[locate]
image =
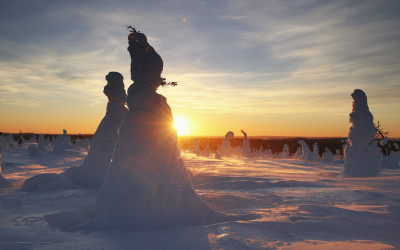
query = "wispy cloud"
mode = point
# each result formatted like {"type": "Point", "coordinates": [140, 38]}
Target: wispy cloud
{"type": "Point", "coordinates": [229, 57]}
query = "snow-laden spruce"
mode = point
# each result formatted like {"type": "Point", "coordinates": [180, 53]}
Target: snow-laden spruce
{"type": "Point", "coordinates": [225, 149]}
{"type": "Point", "coordinates": [246, 150]}
{"type": "Point", "coordinates": [59, 146]}
{"type": "Point", "coordinates": [95, 166]}
{"type": "Point", "coordinates": [328, 156]}
{"type": "Point", "coordinates": [285, 151]}
{"type": "Point", "coordinates": [316, 156]}
{"type": "Point", "coordinates": [41, 143]}
{"type": "Point", "coordinates": [147, 186]}
{"type": "Point", "coordinates": [306, 152]}
{"type": "Point", "coordinates": [362, 155]}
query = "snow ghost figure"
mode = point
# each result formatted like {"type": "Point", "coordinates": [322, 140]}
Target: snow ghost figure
{"type": "Point", "coordinates": [3, 182]}
{"type": "Point", "coordinates": [59, 146]}
{"type": "Point", "coordinates": [94, 168]}
{"type": "Point", "coordinates": [196, 147]}
{"type": "Point", "coordinates": [41, 143]}
{"type": "Point", "coordinates": [32, 139]}
{"type": "Point", "coordinates": [98, 159]}
{"type": "Point", "coordinates": [246, 150]}
{"type": "Point", "coordinates": [207, 151]}
{"type": "Point", "coordinates": [328, 156]}
{"type": "Point", "coordinates": [147, 186]}
{"type": "Point", "coordinates": [68, 141]}
{"type": "Point", "coordinates": [316, 156]}
{"type": "Point", "coordinates": [362, 155]}
{"type": "Point", "coordinates": [225, 148]}
{"type": "Point", "coordinates": [307, 154]}
{"type": "Point", "coordinates": [154, 189]}
{"type": "Point", "coordinates": [268, 153]}
{"type": "Point", "coordinates": [298, 153]}
{"type": "Point", "coordinates": [285, 152]}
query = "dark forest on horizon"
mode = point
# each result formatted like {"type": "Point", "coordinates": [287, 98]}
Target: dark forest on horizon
{"type": "Point", "coordinates": [275, 143]}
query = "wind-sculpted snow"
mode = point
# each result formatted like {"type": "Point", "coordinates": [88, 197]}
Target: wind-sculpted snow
{"type": "Point", "coordinates": [147, 186]}
{"type": "Point", "coordinates": [94, 168]}
{"type": "Point", "coordinates": [362, 155]}
{"type": "Point", "coordinates": [59, 145]}
{"type": "Point", "coordinates": [225, 148]}
{"type": "Point", "coordinates": [328, 156]}
{"type": "Point", "coordinates": [306, 152]}
{"type": "Point", "coordinates": [41, 143]}
{"type": "Point", "coordinates": [246, 150]}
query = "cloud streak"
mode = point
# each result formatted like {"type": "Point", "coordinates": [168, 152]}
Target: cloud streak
{"type": "Point", "coordinates": [229, 57]}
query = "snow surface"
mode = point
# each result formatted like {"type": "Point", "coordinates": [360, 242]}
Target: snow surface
{"type": "Point", "coordinates": [298, 204]}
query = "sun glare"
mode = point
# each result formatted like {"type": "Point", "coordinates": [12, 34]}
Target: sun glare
{"type": "Point", "coordinates": [181, 125]}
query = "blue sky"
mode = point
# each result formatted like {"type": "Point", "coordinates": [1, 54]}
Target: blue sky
{"type": "Point", "coordinates": [269, 67]}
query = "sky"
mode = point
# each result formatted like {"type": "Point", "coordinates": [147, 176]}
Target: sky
{"type": "Point", "coordinates": [278, 68]}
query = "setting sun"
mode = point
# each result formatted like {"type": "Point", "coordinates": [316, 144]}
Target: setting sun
{"type": "Point", "coordinates": [181, 125]}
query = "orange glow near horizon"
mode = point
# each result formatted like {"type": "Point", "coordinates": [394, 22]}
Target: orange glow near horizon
{"type": "Point", "coordinates": [51, 120]}
{"type": "Point", "coordinates": [189, 122]}
{"type": "Point", "coordinates": [186, 125]}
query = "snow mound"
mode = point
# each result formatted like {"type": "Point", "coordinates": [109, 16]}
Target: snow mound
{"type": "Point", "coordinates": [44, 182]}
